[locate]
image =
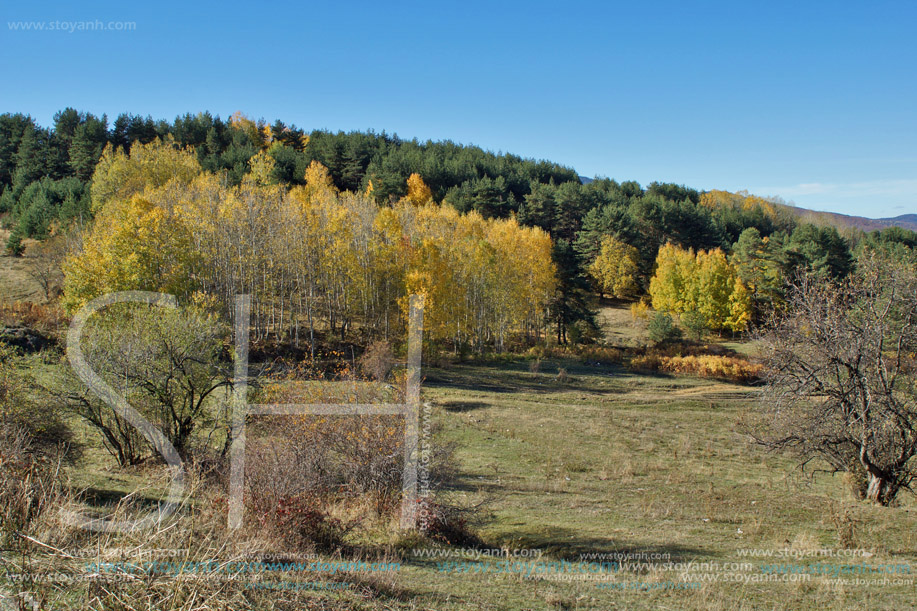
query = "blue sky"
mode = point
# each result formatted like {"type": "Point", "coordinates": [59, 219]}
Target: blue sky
{"type": "Point", "coordinates": [814, 101]}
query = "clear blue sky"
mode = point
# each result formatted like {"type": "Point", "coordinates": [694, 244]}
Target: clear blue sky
{"type": "Point", "coordinates": [812, 101]}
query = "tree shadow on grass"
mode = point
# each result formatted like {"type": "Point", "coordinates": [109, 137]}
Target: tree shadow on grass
{"type": "Point", "coordinates": [462, 406]}
{"type": "Point", "coordinates": [515, 378]}
{"type": "Point", "coordinates": [566, 544]}
{"type": "Point", "coordinates": [102, 498]}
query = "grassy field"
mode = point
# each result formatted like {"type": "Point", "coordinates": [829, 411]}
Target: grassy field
{"type": "Point", "coordinates": [577, 462]}
{"type": "Point", "coordinates": [615, 462]}
{"type": "Point", "coordinates": [608, 462]}
{"type": "Point", "coordinates": [16, 282]}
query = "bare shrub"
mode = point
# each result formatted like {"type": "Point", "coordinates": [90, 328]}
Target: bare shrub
{"type": "Point", "coordinates": [846, 526]}
{"type": "Point", "coordinates": [535, 365]}
{"type": "Point", "coordinates": [298, 522]}
{"type": "Point", "coordinates": [445, 523]}
{"type": "Point", "coordinates": [45, 266]}
{"type": "Point", "coordinates": [322, 464]}
{"type": "Point", "coordinates": [377, 361]}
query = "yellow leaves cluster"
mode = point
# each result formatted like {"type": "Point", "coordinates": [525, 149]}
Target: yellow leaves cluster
{"type": "Point", "coordinates": [262, 168]}
{"type": "Point", "coordinates": [119, 176]}
{"type": "Point", "coordinates": [615, 269]}
{"type": "Point", "coordinates": [741, 200]}
{"type": "Point", "coordinates": [418, 191]}
{"type": "Point", "coordinates": [307, 253]}
{"type": "Point", "coordinates": [134, 245]}
{"type": "Point", "coordinates": [705, 283]}
{"type": "Point", "coordinates": [482, 277]}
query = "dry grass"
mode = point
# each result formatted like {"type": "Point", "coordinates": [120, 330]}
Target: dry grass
{"type": "Point", "coordinates": [16, 280]}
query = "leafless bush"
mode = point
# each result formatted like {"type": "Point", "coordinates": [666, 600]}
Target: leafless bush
{"type": "Point", "coordinates": [377, 361]}
{"type": "Point", "coordinates": [535, 365]}
{"type": "Point", "coordinates": [45, 266]}
{"type": "Point", "coordinates": [846, 527]}
{"type": "Point", "coordinates": [445, 523]}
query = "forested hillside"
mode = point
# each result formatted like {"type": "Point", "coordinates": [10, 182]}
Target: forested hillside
{"type": "Point", "coordinates": [718, 258]}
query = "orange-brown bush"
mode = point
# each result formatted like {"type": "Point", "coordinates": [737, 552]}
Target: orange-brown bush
{"type": "Point", "coordinates": [44, 317]}
{"type": "Point", "coordinates": [705, 366]}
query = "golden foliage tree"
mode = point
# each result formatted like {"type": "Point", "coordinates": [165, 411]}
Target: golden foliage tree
{"type": "Point", "coordinates": [136, 245]}
{"type": "Point", "coordinates": [615, 269]}
{"type": "Point", "coordinates": [705, 283]}
{"type": "Point", "coordinates": [418, 191]}
{"type": "Point", "coordinates": [119, 175]}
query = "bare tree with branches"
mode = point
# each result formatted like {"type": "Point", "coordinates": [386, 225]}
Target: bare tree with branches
{"type": "Point", "coordinates": [45, 266]}
{"type": "Point", "coordinates": [840, 382]}
{"type": "Point", "coordinates": [166, 363]}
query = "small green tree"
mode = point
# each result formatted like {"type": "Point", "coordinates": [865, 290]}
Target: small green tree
{"type": "Point", "coordinates": [695, 324]}
{"type": "Point", "coordinates": [14, 245]}
{"type": "Point", "coordinates": [662, 329]}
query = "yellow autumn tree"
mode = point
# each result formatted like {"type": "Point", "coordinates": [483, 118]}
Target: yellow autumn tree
{"type": "Point", "coordinates": [134, 245]}
{"type": "Point", "coordinates": [418, 191]}
{"type": "Point", "coordinates": [148, 166]}
{"type": "Point", "coordinates": [714, 282]}
{"type": "Point", "coordinates": [705, 284]}
{"type": "Point", "coordinates": [255, 130]}
{"type": "Point", "coordinates": [262, 168]}
{"type": "Point", "coordinates": [615, 269]}
{"type": "Point", "coordinates": [741, 307]}
{"type": "Point", "coordinates": [318, 181]}
{"type": "Point", "coordinates": [671, 287]}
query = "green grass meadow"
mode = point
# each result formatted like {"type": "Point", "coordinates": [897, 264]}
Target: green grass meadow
{"type": "Point", "coordinates": [571, 461]}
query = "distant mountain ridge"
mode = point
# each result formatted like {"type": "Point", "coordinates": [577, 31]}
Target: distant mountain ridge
{"type": "Point", "coordinates": [841, 221]}
{"type": "Point", "coordinates": [836, 219]}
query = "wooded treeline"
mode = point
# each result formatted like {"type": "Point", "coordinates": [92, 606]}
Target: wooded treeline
{"type": "Point", "coordinates": [606, 236]}
{"type": "Point", "coordinates": [312, 257]}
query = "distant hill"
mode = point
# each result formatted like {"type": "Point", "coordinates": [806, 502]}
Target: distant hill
{"type": "Point", "coordinates": [904, 218]}
{"type": "Point", "coordinates": [841, 221]}
{"type": "Point", "coordinates": [835, 219]}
